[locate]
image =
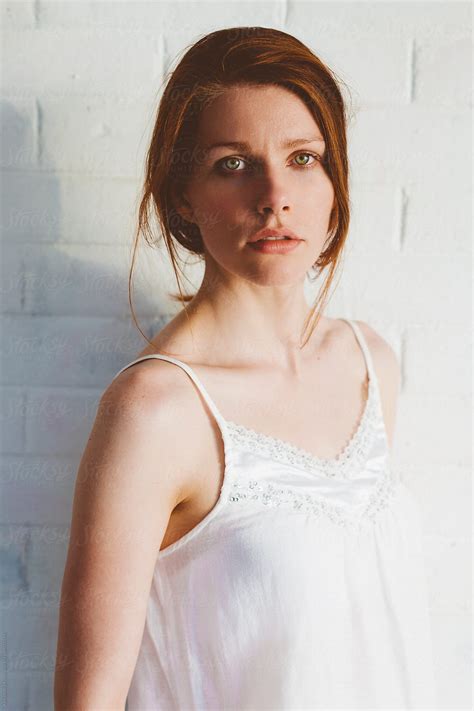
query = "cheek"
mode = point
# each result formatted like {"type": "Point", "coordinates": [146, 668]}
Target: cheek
{"type": "Point", "coordinates": [320, 191]}
{"type": "Point", "coordinates": [217, 195]}
{"type": "Point", "coordinates": [324, 196]}
{"type": "Point", "coordinates": [208, 207]}
{"type": "Point", "coordinates": [324, 185]}
{"type": "Point", "coordinates": [225, 207]}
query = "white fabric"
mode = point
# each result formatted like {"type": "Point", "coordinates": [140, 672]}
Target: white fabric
{"type": "Point", "coordinates": [303, 588]}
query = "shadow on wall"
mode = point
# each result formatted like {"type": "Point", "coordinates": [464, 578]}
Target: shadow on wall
{"type": "Point", "coordinates": [67, 331]}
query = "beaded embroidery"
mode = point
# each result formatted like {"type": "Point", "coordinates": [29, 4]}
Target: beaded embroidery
{"type": "Point", "coordinates": [273, 496]}
{"type": "Point", "coordinates": [353, 454]}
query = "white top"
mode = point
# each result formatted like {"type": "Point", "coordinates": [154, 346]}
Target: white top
{"type": "Point", "coordinates": [303, 588]}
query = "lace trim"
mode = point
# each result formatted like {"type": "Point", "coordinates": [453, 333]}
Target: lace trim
{"type": "Point", "coordinates": [354, 453]}
{"type": "Point", "coordinates": [286, 498]}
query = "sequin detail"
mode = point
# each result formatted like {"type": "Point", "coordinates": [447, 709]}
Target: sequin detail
{"type": "Point", "coordinates": [273, 496]}
{"type": "Point", "coordinates": [354, 453]}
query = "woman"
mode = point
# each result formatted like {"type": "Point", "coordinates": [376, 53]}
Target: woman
{"type": "Point", "coordinates": [238, 538]}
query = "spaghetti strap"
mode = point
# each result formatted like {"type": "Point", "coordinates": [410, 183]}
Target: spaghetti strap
{"type": "Point", "coordinates": [187, 368]}
{"type": "Point", "coordinates": [365, 349]}
{"type": "Point", "coordinates": [374, 385]}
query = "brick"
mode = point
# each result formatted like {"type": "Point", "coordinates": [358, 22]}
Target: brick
{"type": "Point", "coordinates": [13, 420]}
{"type": "Point", "coordinates": [17, 14]}
{"type": "Point", "coordinates": [375, 221]}
{"type": "Point", "coordinates": [92, 62]}
{"type": "Point", "coordinates": [65, 351]}
{"type": "Point", "coordinates": [433, 20]}
{"type": "Point", "coordinates": [72, 280]}
{"type": "Point", "coordinates": [19, 118]}
{"type": "Point", "coordinates": [188, 17]}
{"type": "Point", "coordinates": [410, 145]}
{"type": "Point", "coordinates": [432, 225]}
{"type": "Point", "coordinates": [433, 429]}
{"type": "Point", "coordinates": [437, 359]}
{"type": "Point", "coordinates": [444, 72]}
{"type": "Point", "coordinates": [37, 490]}
{"type": "Point", "coordinates": [58, 422]}
{"type": "Point", "coordinates": [30, 631]}
{"type": "Point", "coordinates": [111, 135]}
{"type": "Point", "coordinates": [402, 288]}
{"type": "Point", "coordinates": [86, 209]}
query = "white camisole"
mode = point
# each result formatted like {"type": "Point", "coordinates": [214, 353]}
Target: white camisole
{"type": "Point", "coordinates": [303, 588]}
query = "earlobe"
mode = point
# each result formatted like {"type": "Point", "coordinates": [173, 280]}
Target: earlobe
{"type": "Point", "coordinates": [183, 208]}
{"type": "Point", "coordinates": [185, 212]}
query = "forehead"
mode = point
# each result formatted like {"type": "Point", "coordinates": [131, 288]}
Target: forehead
{"type": "Point", "coordinates": [256, 114]}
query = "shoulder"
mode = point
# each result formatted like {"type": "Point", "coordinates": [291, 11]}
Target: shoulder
{"type": "Point", "coordinates": [157, 391]}
{"type": "Point", "coordinates": [384, 358]}
{"type": "Point", "coordinates": [388, 372]}
{"type": "Point", "coordinates": [153, 401]}
{"type": "Point", "coordinates": [386, 362]}
{"type": "Point", "coordinates": [149, 382]}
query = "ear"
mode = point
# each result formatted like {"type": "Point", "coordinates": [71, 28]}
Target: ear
{"type": "Point", "coordinates": [182, 206]}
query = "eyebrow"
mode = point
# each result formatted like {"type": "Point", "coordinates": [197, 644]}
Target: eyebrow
{"type": "Point", "coordinates": [243, 146]}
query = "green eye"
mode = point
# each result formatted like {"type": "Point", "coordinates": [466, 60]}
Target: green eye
{"type": "Point", "coordinates": [305, 155]}
{"type": "Point", "coordinates": [232, 160]}
{"type": "Point", "coordinates": [231, 165]}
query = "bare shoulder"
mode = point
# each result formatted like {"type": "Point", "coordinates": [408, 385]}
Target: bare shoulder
{"type": "Point", "coordinates": [385, 359]}
{"type": "Point", "coordinates": [146, 384]}
{"type": "Point", "coordinates": [164, 401]}
{"type": "Point", "coordinates": [146, 403]}
{"type": "Point", "coordinates": [388, 372]}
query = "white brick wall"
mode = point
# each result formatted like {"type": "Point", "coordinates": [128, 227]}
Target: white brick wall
{"type": "Point", "coordinates": [79, 87]}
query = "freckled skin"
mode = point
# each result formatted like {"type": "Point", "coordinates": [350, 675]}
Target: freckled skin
{"type": "Point", "coordinates": [231, 198]}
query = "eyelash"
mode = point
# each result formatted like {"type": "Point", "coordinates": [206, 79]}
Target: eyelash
{"type": "Point", "coordinates": [224, 171]}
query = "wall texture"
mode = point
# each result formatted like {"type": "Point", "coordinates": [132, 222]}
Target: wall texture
{"type": "Point", "coordinates": [80, 83]}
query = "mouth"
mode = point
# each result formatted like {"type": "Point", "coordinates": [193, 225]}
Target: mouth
{"type": "Point", "coordinates": [271, 239]}
{"type": "Point", "coordinates": [278, 245]}
{"type": "Point", "coordinates": [274, 235]}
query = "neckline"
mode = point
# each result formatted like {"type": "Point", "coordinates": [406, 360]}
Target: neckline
{"type": "Point", "coordinates": [249, 437]}
{"type": "Point", "coordinates": [284, 450]}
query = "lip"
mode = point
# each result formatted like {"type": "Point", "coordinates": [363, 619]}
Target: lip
{"type": "Point", "coordinates": [280, 232]}
{"type": "Point", "coordinates": [275, 247]}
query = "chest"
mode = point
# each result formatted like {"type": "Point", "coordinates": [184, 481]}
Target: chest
{"type": "Point", "coordinates": [319, 421]}
{"type": "Point", "coordinates": [318, 411]}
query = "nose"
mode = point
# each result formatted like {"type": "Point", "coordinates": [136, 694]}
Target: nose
{"type": "Point", "coordinates": [272, 197]}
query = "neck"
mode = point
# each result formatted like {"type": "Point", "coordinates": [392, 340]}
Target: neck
{"type": "Point", "coordinates": [252, 325]}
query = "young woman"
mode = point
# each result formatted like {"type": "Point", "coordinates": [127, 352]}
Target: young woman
{"type": "Point", "coordinates": [238, 538]}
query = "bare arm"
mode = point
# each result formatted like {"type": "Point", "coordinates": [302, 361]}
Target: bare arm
{"type": "Point", "coordinates": [126, 488]}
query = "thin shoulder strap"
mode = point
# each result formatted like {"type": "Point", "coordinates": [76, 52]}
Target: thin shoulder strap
{"type": "Point", "coordinates": [375, 387]}
{"type": "Point", "coordinates": [192, 375]}
{"type": "Point", "coordinates": [365, 349]}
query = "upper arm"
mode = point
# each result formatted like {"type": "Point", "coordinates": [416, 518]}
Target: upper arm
{"type": "Point", "coordinates": [388, 372]}
{"type": "Point", "coordinates": [126, 487]}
